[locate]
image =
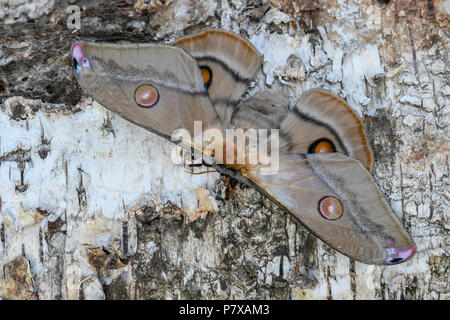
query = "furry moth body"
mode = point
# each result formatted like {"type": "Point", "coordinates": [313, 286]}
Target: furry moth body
{"type": "Point", "coordinates": [324, 175]}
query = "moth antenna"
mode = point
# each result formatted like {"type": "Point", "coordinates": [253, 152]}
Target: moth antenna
{"type": "Point", "coordinates": [201, 172]}
{"type": "Point", "coordinates": [199, 164]}
{"type": "Point", "coordinates": [235, 194]}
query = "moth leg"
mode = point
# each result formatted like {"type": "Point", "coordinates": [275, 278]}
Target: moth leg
{"type": "Point", "coordinates": [198, 164]}
{"type": "Point", "coordinates": [192, 165]}
{"type": "Point", "coordinates": [202, 172]}
{"type": "Point", "coordinates": [234, 192]}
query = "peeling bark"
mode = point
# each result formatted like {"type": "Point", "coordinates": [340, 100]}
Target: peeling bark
{"type": "Point", "coordinates": [72, 173]}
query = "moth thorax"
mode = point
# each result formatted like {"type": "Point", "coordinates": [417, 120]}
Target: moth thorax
{"type": "Point", "coordinates": [237, 156]}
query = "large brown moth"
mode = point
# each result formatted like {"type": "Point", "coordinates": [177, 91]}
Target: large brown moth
{"type": "Point", "coordinates": [324, 165]}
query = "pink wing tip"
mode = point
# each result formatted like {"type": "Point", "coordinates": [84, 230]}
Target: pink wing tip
{"type": "Point", "coordinates": [77, 51]}
{"type": "Point", "coordinates": [407, 253]}
{"type": "Point", "coordinates": [398, 256]}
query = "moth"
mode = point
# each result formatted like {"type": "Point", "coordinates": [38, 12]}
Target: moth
{"type": "Point", "coordinates": [324, 158]}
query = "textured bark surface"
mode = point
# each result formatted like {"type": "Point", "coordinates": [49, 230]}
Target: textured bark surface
{"type": "Point", "coordinates": [72, 173]}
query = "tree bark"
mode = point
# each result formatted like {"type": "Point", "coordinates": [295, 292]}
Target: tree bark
{"type": "Point", "coordinates": [72, 173]}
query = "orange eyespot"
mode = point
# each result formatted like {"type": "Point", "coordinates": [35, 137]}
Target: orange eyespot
{"type": "Point", "coordinates": [331, 208]}
{"type": "Point", "coordinates": [146, 96]}
{"type": "Point", "coordinates": [207, 76]}
{"type": "Point", "coordinates": [322, 145]}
